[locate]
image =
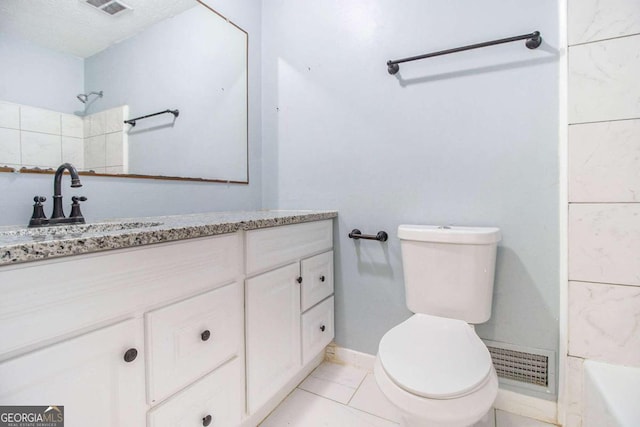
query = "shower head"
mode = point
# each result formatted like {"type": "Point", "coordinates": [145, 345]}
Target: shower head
{"type": "Point", "coordinates": [84, 97]}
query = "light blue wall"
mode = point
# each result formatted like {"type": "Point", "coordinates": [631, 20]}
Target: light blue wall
{"type": "Point", "coordinates": [120, 197]}
{"type": "Point", "coordinates": [195, 62]}
{"type": "Point", "coordinates": [37, 76]}
{"type": "Point", "coordinates": [466, 139]}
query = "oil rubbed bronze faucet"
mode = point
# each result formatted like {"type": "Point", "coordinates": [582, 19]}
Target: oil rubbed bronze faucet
{"type": "Point", "coordinates": [38, 219]}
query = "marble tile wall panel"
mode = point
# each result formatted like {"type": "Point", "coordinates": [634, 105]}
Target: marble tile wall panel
{"type": "Point", "coordinates": [39, 120]}
{"type": "Point", "coordinates": [94, 125]}
{"type": "Point", "coordinates": [9, 147]}
{"type": "Point", "coordinates": [603, 80]}
{"type": "Point", "coordinates": [41, 150]}
{"type": "Point", "coordinates": [72, 126]}
{"type": "Point", "coordinates": [591, 20]}
{"type": "Point", "coordinates": [73, 151]}
{"type": "Point", "coordinates": [95, 153]}
{"type": "Point", "coordinates": [115, 170]}
{"type": "Point", "coordinates": [604, 162]}
{"type": "Point", "coordinates": [114, 120]}
{"type": "Point", "coordinates": [114, 149]}
{"type": "Point", "coordinates": [604, 243]}
{"type": "Point", "coordinates": [573, 395]}
{"type": "Point", "coordinates": [604, 322]}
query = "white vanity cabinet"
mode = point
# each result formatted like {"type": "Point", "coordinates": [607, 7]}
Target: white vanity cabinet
{"type": "Point", "coordinates": [210, 331]}
{"type": "Point", "coordinates": [67, 324]}
{"type": "Point", "coordinates": [88, 375]}
{"type": "Point", "coordinates": [276, 301]}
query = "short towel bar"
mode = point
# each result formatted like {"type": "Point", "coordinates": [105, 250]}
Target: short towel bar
{"type": "Point", "coordinates": [356, 234]}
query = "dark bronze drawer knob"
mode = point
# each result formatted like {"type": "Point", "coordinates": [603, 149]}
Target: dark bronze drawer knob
{"type": "Point", "coordinates": [322, 328]}
{"type": "Point", "coordinates": [205, 335]}
{"type": "Point", "coordinates": [299, 279]}
{"type": "Point", "coordinates": [322, 278]}
{"type": "Point", "coordinates": [130, 355]}
{"type": "Point", "coordinates": [206, 420]}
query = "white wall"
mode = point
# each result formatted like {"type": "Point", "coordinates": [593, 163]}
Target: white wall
{"type": "Point", "coordinates": [119, 197]}
{"type": "Point", "coordinates": [39, 77]}
{"type": "Point", "coordinates": [466, 139]}
{"type": "Point", "coordinates": [604, 189]}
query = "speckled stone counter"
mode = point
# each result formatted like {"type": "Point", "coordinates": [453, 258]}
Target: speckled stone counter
{"type": "Point", "coordinates": [18, 244]}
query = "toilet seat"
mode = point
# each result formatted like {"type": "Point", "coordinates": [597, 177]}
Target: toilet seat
{"type": "Point", "coordinates": [435, 357]}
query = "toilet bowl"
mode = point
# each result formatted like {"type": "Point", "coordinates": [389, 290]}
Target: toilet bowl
{"type": "Point", "coordinates": [433, 367]}
{"type": "Point", "coordinates": [437, 372]}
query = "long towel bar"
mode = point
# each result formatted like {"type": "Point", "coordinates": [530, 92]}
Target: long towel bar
{"type": "Point", "coordinates": [132, 122]}
{"type": "Point", "coordinates": [533, 40]}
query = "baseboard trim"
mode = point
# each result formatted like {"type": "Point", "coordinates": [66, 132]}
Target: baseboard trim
{"type": "Point", "coordinates": [507, 400]}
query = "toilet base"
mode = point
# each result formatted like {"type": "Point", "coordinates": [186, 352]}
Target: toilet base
{"type": "Point", "coordinates": [417, 411]}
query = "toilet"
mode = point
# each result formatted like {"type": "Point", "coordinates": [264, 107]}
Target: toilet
{"type": "Point", "coordinates": [433, 367]}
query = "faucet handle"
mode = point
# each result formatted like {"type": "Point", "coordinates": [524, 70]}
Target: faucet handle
{"type": "Point", "coordinates": [38, 218]}
{"type": "Point", "coordinates": [75, 209]}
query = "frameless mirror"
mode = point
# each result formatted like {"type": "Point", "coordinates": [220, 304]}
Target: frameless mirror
{"type": "Point", "coordinates": [74, 71]}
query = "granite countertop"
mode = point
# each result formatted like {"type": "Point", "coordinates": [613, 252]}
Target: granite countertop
{"type": "Point", "coordinates": [18, 244]}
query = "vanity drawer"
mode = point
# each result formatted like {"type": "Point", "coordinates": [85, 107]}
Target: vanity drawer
{"type": "Point", "coordinates": [190, 338]}
{"type": "Point", "coordinates": [219, 395]}
{"type": "Point", "coordinates": [271, 247]}
{"type": "Point", "coordinates": [317, 279]}
{"type": "Point", "coordinates": [317, 329]}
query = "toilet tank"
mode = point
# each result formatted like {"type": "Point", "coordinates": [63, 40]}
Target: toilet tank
{"type": "Point", "coordinates": [449, 271]}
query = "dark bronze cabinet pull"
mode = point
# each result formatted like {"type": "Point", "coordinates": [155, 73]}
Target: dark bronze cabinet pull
{"type": "Point", "coordinates": [205, 335]}
{"type": "Point", "coordinates": [206, 420]}
{"type": "Point", "coordinates": [322, 278]}
{"type": "Point", "coordinates": [322, 328]}
{"type": "Point", "coordinates": [299, 279]}
{"type": "Point", "coordinates": [130, 355]}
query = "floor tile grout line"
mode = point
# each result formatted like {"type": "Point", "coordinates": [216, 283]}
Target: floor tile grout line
{"type": "Point", "coordinates": [321, 396]}
{"type": "Point", "coordinates": [354, 409]}
{"type": "Point", "coordinates": [357, 388]}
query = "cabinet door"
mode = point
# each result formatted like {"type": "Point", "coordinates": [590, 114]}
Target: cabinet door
{"type": "Point", "coordinates": [317, 275]}
{"type": "Point", "coordinates": [272, 332]}
{"type": "Point", "coordinates": [87, 375]}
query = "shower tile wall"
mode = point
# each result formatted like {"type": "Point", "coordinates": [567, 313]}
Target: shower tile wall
{"type": "Point", "coordinates": [38, 138]}
{"type": "Point", "coordinates": [604, 189]}
{"type": "Point", "coordinates": [105, 142]}
{"type": "Point", "coordinates": [34, 137]}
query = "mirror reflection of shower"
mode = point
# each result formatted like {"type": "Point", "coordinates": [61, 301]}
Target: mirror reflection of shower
{"type": "Point", "coordinates": [84, 97]}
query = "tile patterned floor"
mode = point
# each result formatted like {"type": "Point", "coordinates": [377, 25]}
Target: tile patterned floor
{"type": "Point", "coordinates": [343, 396]}
{"type": "Point", "coordinates": [334, 396]}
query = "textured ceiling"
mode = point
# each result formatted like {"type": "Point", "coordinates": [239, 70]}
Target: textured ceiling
{"type": "Point", "coordinates": [74, 27]}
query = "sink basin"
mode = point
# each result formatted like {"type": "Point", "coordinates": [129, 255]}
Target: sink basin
{"type": "Point", "coordinates": [70, 231]}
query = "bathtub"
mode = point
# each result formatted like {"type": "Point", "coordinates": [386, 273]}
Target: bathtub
{"type": "Point", "coordinates": [611, 395]}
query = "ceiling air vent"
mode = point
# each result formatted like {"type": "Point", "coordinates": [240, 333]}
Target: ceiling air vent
{"type": "Point", "coordinates": [110, 7]}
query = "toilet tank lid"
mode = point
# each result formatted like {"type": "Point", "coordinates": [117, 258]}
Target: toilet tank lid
{"type": "Point", "coordinates": [450, 234]}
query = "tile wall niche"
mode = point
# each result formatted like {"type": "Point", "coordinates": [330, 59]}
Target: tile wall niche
{"type": "Point", "coordinates": [38, 138]}
{"type": "Point", "coordinates": [604, 189]}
